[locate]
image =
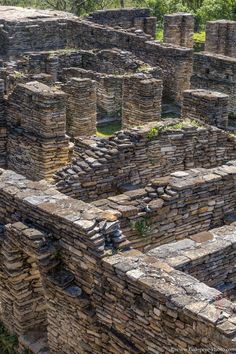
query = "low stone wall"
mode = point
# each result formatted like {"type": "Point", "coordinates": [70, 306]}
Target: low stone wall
{"type": "Point", "coordinates": [126, 18]}
{"type": "Point", "coordinates": [179, 29]}
{"type": "Point", "coordinates": [216, 73]}
{"type": "Point", "coordinates": [141, 102]}
{"type": "Point", "coordinates": [81, 106]}
{"type": "Point", "coordinates": [208, 106]}
{"type": "Point", "coordinates": [207, 256]}
{"type": "Point", "coordinates": [102, 166]}
{"type": "Point", "coordinates": [36, 120]}
{"type": "Point", "coordinates": [172, 208]}
{"type": "Point", "coordinates": [220, 37]}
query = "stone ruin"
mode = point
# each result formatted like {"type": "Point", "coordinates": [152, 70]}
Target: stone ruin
{"type": "Point", "coordinates": [125, 244]}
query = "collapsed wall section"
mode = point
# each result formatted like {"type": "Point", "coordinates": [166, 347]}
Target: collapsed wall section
{"type": "Point", "coordinates": [102, 166]}
{"type": "Point", "coordinates": [36, 120]}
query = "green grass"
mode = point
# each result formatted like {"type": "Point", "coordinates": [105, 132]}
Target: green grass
{"type": "Point", "coordinates": [108, 129]}
{"type": "Point", "coordinates": [8, 342]}
{"type": "Point", "coordinates": [199, 36]}
{"type": "Point", "coordinates": [159, 34]}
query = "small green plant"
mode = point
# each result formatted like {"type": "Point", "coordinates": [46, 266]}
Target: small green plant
{"type": "Point", "coordinates": [152, 133]}
{"type": "Point", "coordinates": [199, 37]}
{"type": "Point", "coordinates": [18, 74]}
{"type": "Point", "coordinates": [8, 342]}
{"type": "Point", "coordinates": [187, 123]}
{"type": "Point", "coordinates": [57, 254]}
{"type": "Point", "coordinates": [143, 68]}
{"type": "Point", "coordinates": [140, 226]}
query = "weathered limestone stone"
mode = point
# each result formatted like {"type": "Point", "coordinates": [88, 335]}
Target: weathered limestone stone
{"type": "Point", "coordinates": [208, 106]}
{"type": "Point", "coordinates": [81, 107]}
{"type": "Point", "coordinates": [179, 29]}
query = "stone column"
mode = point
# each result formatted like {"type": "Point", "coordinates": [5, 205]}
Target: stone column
{"type": "Point", "coordinates": [208, 106]}
{"type": "Point", "coordinates": [81, 107]}
{"type": "Point", "coordinates": [179, 29]}
{"type": "Point", "coordinates": [36, 119]}
{"type": "Point", "coordinates": [150, 26]}
{"type": "Point", "coordinates": [141, 100]}
{"type": "Point", "coordinates": [221, 37]}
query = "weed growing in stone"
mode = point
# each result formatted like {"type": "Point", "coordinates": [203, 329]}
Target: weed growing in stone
{"type": "Point", "coordinates": [140, 226]}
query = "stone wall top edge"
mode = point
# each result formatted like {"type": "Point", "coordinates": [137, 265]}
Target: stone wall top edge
{"type": "Point", "coordinates": [197, 247]}
{"type": "Point", "coordinates": [214, 57]}
{"type": "Point", "coordinates": [196, 299]}
{"type": "Point", "coordinates": [44, 197]}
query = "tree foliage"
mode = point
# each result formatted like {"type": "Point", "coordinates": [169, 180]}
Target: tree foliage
{"type": "Point", "coordinates": [203, 9]}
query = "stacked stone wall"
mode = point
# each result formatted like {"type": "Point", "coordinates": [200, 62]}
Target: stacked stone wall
{"type": "Point", "coordinates": [175, 62]}
{"type": "Point", "coordinates": [36, 120]}
{"type": "Point", "coordinates": [141, 102]}
{"type": "Point", "coordinates": [179, 29]}
{"type": "Point", "coordinates": [101, 167]}
{"type": "Point", "coordinates": [220, 37]}
{"type": "Point", "coordinates": [169, 209]}
{"type": "Point", "coordinates": [207, 256]}
{"type": "Point", "coordinates": [126, 18]}
{"type": "Point", "coordinates": [139, 309]}
{"type": "Point", "coordinates": [208, 106]}
{"type": "Point", "coordinates": [129, 301]}
{"type": "Point", "coordinates": [81, 107]}
{"type": "Point", "coordinates": [3, 128]}
{"type": "Point", "coordinates": [216, 73]}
